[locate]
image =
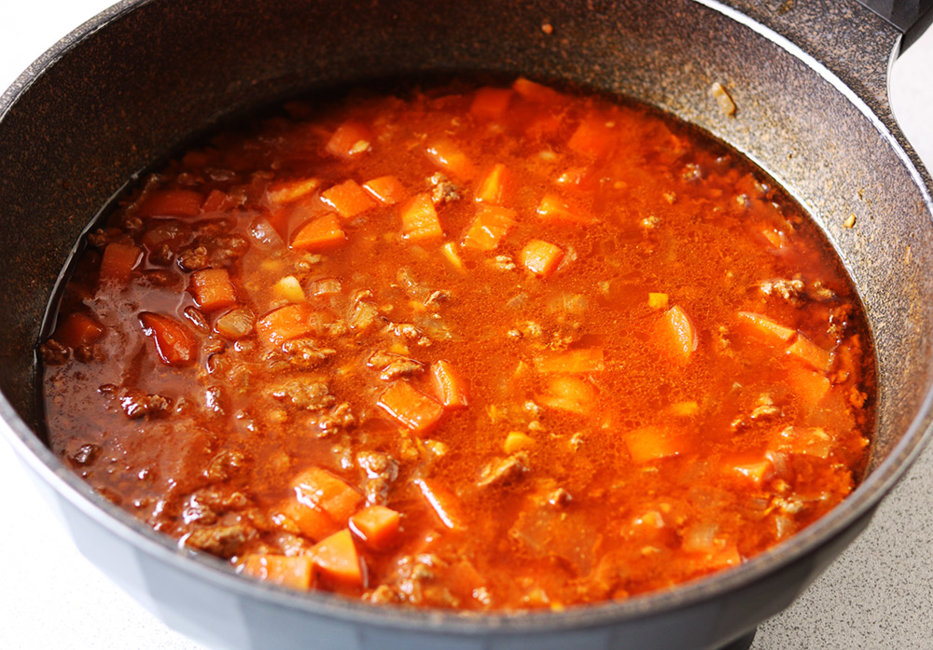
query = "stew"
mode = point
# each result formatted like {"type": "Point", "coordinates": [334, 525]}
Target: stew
{"type": "Point", "coordinates": [471, 347]}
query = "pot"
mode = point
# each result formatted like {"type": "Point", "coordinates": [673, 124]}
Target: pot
{"type": "Point", "coordinates": [809, 81]}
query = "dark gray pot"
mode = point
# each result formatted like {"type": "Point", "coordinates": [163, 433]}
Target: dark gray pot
{"type": "Point", "coordinates": [809, 79]}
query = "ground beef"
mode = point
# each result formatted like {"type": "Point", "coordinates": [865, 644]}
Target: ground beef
{"type": "Point", "coordinates": [222, 540]}
{"type": "Point", "coordinates": [136, 403]}
{"type": "Point", "coordinates": [305, 393]}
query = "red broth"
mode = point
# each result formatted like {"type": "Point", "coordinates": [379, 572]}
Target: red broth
{"type": "Point", "coordinates": [488, 348]}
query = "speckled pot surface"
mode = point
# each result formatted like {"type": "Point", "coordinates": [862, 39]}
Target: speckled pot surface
{"type": "Point", "coordinates": [809, 80]}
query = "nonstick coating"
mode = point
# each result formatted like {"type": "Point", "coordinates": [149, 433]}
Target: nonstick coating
{"type": "Point", "coordinates": [812, 111]}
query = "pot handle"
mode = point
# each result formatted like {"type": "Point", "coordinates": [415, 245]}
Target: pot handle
{"type": "Point", "coordinates": [911, 17]}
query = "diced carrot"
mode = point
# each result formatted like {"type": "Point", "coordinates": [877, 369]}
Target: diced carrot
{"type": "Point", "coordinates": [388, 190]}
{"type": "Point", "coordinates": [284, 323]}
{"type": "Point", "coordinates": [676, 334]}
{"type": "Point", "coordinates": [377, 526]}
{"type": "Point", "coordinates": [174, 343]}
{"type": "Point", "coordinates": [770, 329]}
{"type": "Point", "coordinates": [658, 300]}
{"type": "Point", "coordinates": [443, 503]}
{"type": "Point", "coordinates": [490, 103]}
{"type": "Point", "coordinates": [291, 190]}
{"type": "Point", "coordinates": [410, 407]}
{"type": "Point", "coordinates": [350, 140]}
{"type": "Point", "coordinates": [216, 201]}
{"type": "Point", "coordinates": [212, 289]}
{"type": "Point", "coordinates": [650, 443]}
{"type": "Point", "coordinates": [283, 570]}
{"type": "Point", "coordinates": [348, 199]}
{"type": "Point", "coordinates": [553, 209]}
{"type": "Point", "coordinates": [534, 91]}
{"type": "Point", "coordinates": [685, 409]}
{"type": "Point", "coordinates": [810, 441]}
{"type": "Point", "coordinates": [311, 521]}
{"type": "Point", "coordinates": [118, 261]}
{"type": "Point", "coordinates": [78, 329]}
{"type": "Point", "coordinates": [321, 234]}
{"type": "Point", "coordinates": [336, 557]}
{"type": "Point", "coordinates": [593, 137]}
{"type": "Point", "coordinates": [449, 251]}
{"type": "Point", "coordinates": [566, 393]}
{"type": "Point", "coordinates": [318, 488]}
{"type": "Point", "coordinates": [809, 387]}
{"type": "Point", "coordinates": [489, 226]}
{"type": "Point", "coordinates": [171, 203]}
{"type": "Point", "coordinates": [540, 257]}
{"type": "Point", "coordinates": [755, 469]}
{"type": "Point", "coordinates": [810, 353]}
{"type": "Point", "coordinates": [448, 156]}
{"type": "Point", "coordinates": [572, 362]}
{"type": "Point", "coordinates": [449, 387]}
{"type": "Point", "coordinates": [492, 187]}
{"type": "Point", "coordinates": [517, 441]}
{"type": "Point", "coordinates": [419, 219]}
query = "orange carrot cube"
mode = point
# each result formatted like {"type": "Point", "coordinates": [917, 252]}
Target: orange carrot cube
{"type": "Point", "coordinates": [419, 219]}
{"type": "Point", "coordinates": [348, 199]}
{"type": "Point", "coordinates": [488, 227]}
{"type": "Point", "coordinates": [311, 521]}
{"type": "Point", "coordinates": [336, 557]}
{"type": "Point", "coordinates": [535, 92]}
{"type": "Point", "coordinates": [171, 203]}
{"type": "Point", "coordinates": [118, 261]}
{"type": "Point", "coordinates": [175, 344]}
{"type": "Point", "coordinates": [540, 257]}
{"type": "Point", "coordinates": [216, 201]}
{"type": "Point", "coordinates": [448, 385]}
{"type": "Point", "coordinates": [553, 209]}
{"type": "Point", "coordinates": [571, 394]}
{"type": "Point", "coordinates": [284, 323]}
{"type": "Point", "coordinates": [78, 329]}
{"type": "Point", "coordinates": [350, 140]}
{"type": "Point", "coordinates": [650, 443]}
{"type": "Point", "coordinates": [282, 570]}
{"type": "Point", "coordinates": [767, 327]}
{"type": "Point", "coordinates": [810, 353]}
{"type": "Point", "coordinates": [388, 190]}
{"type": "Point", "coordinates": [490, 103]}
{"type": "Point", "coordinates": [447, 155]}
{"type": "Point", "coordinates": [410, 407]}
{"type": "Point", "coordinates": [318, 488]}
{"type": "Point", "coordinates": [594, 137]}
{"type": "Point", "coordinates": [492, 187]}
{"type": "Point", "coordinates": [212, 289]}
{"type": "Point", "coordinates": [321, 234]}
{"type": "Point", "coordinates": [377, 526]}
{"type": "Point", "coordinates": [444, 503]}
{"type": "Point", "coordinates": [755, 469]}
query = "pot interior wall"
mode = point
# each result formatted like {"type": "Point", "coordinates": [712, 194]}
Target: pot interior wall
{"type": "Point", "coordinates": [126, 94]}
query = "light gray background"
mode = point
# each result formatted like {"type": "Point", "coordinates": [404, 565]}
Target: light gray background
{"type": "Point", "coordinates": [879, 594]}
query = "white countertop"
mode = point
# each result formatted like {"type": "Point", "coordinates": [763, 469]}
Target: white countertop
{"type": "Point", "coordinates": [877, 595]}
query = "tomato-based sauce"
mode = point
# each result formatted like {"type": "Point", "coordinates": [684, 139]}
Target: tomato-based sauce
{"type": "Point", "coordinates": [479, 348]}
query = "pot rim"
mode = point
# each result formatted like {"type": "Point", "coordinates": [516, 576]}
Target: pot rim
{"type": "Point", "coordinates": [859, 504]}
